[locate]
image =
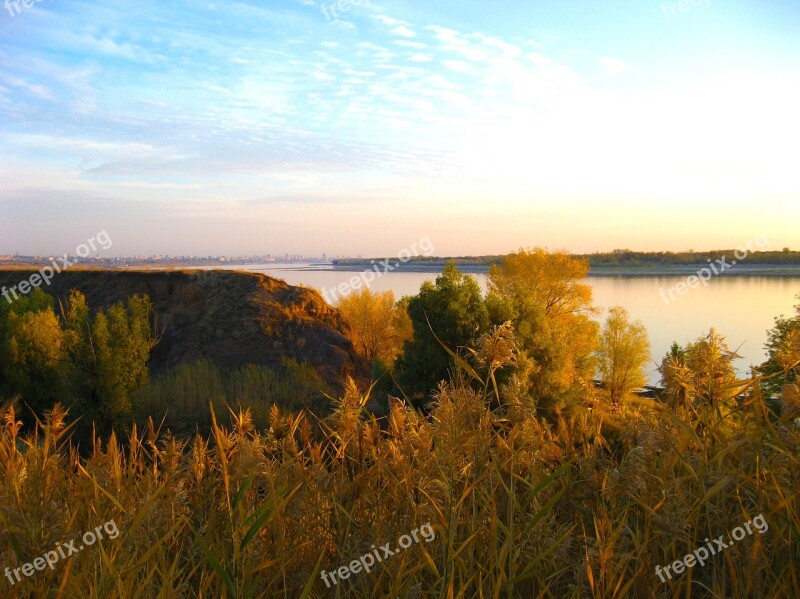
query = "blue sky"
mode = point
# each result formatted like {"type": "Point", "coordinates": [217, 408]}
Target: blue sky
{"type": "Point", "coordinates": [233, 127]}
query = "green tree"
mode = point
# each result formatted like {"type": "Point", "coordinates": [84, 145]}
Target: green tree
{"type": "Point", "coordinates": [109, 353]}
{"type": "Point", "coordinates": [542, 294]}
{"type": "Point", "coordinates": [783, 349]}
{"type": "Point", "coordinates": [623, 352]}
{"type": "Point", "coordinates": [453, 309]}
{"type": "Point", "coordinates": [31, 351]}
{"type": "Point", "coordinates": [672, 370]}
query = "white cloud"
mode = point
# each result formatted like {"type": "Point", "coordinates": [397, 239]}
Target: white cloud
{"type": "Point", "coordinates": [612, 66]}
{"type": "Point", "coordinates": [456, 65]}
{"type": "Point", "coordinates": [410, 44]}
{"type": "Point", "coordinates": [403, 31]}
{"type": "Point", "coordinates": [507, 49]}
{"type": "Point", "coordinates": [390, 21]}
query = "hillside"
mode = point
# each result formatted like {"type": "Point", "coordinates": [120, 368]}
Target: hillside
{"type": "Point", "coordinates": [229, 318]}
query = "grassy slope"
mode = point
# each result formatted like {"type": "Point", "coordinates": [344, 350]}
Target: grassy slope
{"type": "Point", "coordinates": [586, 508]}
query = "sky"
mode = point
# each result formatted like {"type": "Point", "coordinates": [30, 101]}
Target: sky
{"type": "Point", "coordinates": [206, 128]}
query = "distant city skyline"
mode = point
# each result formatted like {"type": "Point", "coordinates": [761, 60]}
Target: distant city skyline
{"type": "Point", "coordinates": [225, 128]}
{"type": "Point", "coordinates": [109, 255]}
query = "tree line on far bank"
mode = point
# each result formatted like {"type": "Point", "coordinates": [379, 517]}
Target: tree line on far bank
{"type": "Point", "coordinates": [619, 258]}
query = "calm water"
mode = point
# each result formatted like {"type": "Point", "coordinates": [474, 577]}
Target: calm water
{"type": "Point", "coordinates": [741, 308]}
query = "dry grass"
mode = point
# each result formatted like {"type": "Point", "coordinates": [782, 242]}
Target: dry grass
{"type": "Point", "coordinates": [184, 397]}
{"type": "Point", "coordinates": [584, 508]}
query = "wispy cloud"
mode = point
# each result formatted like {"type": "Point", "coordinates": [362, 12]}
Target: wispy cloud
{"type": "Point", "coordinates": [213, 103]}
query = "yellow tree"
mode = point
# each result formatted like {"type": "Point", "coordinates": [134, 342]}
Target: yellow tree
{"type": "Point", "coordinates": [542, 294]}
{"type": "Point", "coordinates": [379, 325]}
{"type": "Point", "coordinates": [621, 356]}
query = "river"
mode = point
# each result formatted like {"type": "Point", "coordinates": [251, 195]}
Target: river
{"type": "Point", "coordinates": [742, 308]}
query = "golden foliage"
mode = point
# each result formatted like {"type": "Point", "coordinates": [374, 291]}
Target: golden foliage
{"type": "Point", "coordinates": [519, 510]}
{"type": "Point", "coordinates": [379, 326]}
{"type": "Point", "coordinates": [542, 294]}
{"type": "Point", "coordinates": [623, 352]}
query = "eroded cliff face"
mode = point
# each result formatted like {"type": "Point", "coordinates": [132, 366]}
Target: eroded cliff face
{"type": "Point", "coordinates": [231, 318]}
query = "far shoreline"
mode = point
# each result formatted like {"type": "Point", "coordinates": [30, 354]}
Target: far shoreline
{"type": "Point", "coordinates": [739, 270]}
{"type": "Point", "coordinates": [789, 271]}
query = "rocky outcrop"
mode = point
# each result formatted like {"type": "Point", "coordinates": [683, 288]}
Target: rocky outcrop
{"type": "Point", "coordinates": [231, 318]}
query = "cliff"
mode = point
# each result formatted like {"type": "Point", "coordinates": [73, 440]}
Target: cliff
{"type": "Point", "coordinates": [231, 318]}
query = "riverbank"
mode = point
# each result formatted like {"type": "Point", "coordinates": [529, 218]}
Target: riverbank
{"type": "Point", "coordinates": [683, 270]}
